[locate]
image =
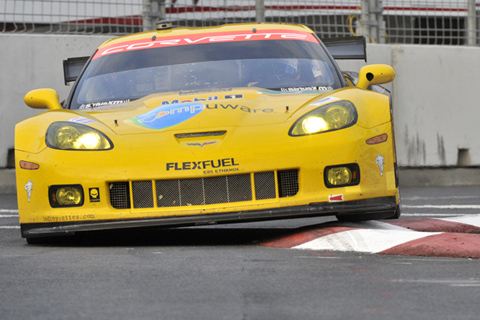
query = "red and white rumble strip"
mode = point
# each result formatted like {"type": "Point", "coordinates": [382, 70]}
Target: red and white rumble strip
{"type": "Point", "coordinates": [452, 237]}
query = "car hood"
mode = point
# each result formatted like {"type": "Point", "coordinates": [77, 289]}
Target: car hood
{"type": "Point", "coordinates": [201, 110]}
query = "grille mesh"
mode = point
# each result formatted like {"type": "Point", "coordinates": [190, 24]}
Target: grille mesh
{"type": "Point", "coordinates": [187, 192]}
{"type": "Point", "coordinates": [142, 194]}
{"type": "Point", "coordinates": [119, 195]}
{"type": "Point", "coordinates": [265, 185]}
{"type": "Point", "coordinates": [288, 183]}
{"type": "Point", "coordinates": [205, 191]}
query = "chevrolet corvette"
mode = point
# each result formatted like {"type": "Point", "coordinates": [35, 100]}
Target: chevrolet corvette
{"type": "Point", "coordinates": [192, 126]}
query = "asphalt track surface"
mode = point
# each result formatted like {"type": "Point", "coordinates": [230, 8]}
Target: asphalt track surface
{"type": "Point", "coordinates": [255, 271]}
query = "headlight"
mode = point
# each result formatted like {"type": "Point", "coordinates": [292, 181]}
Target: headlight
{"type": "Point", "coordinates": [66, 196]}
{"type": "Point", "coordinates": [74, 136]}
{"type": "Point", "coordinates": [342, 175]}
{"type": "Point", "coordinates": [333, 116]}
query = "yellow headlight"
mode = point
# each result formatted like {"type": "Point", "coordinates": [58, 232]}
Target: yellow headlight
{"type": "Point", "coordinates": [75, 136]}
{"type": "Point", "coordinates": [333, 116]}
{"type": "Point", "coordinates": [342, 175]}
{"type": "Point", "coordinates": [66, 137]}
{"type": "Point", "coordinates": [337, 117]}
{"type": "Point", "coordinates": [69, 196]}
{"type": "Point", "coordinates": [314, 124]}
{"type": "Point", "coordinates": [339, 176]}
{"type": "Point", "coordinates": [89, 140]}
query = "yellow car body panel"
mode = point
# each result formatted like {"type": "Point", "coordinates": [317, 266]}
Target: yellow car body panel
{"type": "Point", "coordinates": [240, 135]}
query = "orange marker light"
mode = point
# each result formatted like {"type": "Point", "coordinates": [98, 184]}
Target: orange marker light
{"type": "Point", "coordinates": [378, 139]}
{"type": "Point", "coordinates": [29, 165]}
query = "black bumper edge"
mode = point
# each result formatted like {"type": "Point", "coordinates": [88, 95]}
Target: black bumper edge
{"type": "Point", "coordinates": [385, 205]}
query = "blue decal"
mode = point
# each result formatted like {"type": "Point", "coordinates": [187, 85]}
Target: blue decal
{"type": "Point", "coordinates": [169, 115]}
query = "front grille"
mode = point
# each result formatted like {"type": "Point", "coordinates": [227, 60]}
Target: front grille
{"type": "Point", "coordinates": [142, 194]}
{"type": "Point", "coordinates": [204, 191]}
{"type": "Point", "coordinates": [265, 185]}
{"type": "Point", "coordinates": [119, 195]}
{"type": "Point", "coordinates": [288, 183]}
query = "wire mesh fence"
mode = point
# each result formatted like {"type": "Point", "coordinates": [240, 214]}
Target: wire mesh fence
{"type": "Point", "coordinates": [441, 22]}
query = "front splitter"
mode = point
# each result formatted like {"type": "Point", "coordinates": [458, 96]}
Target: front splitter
{"type": "Point", "coordinates": [380, 208]}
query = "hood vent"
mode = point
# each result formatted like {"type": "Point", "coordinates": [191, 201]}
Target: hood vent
{"type": "Point", "coordinates": [200, 134]}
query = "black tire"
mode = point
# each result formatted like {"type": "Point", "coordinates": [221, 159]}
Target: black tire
{"type": "Point", "coordinates": [397, 214]}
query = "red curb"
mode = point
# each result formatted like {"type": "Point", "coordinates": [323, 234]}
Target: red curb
{"type": "Point", "coordinates": [453, 245]}
{"type": "Point", "coordinates": [303, 237]}
{"type": "Point", "coordinates": [434, 225]}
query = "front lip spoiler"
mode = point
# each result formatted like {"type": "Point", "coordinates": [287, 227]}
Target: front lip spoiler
{"type": "Point", "coordinates": [384, 206]}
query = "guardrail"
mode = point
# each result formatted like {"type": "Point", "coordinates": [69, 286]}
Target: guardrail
{"type": "Point", "coordinates": [441, 22]}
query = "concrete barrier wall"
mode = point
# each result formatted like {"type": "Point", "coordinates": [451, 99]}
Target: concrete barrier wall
{"type": "Point", "coordinates": [29, 62]}
{"type": "Point", "coordinates": [436, 102]}
{"type": "Point", "coordinates": [436, 92]}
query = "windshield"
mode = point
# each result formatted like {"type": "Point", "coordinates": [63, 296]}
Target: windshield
{"type": "Point", "coordinates": [284, 65]}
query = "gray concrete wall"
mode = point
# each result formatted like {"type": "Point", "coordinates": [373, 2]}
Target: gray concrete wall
{"type": "Point", "coordinates": [436, 92]}
{"type": "Point", "coordinates": [29, 62]}
{"type": "Point", "coordinates": [436, 102]}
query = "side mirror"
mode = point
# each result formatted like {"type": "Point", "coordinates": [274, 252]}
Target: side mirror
{"type": "Point", "coordinates": [375, 74]}
{"type": "Point", "coordinates": [43, 99]}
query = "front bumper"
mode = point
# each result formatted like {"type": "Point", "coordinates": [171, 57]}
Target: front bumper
{"type": "Point", "coordinates": [378, 208]}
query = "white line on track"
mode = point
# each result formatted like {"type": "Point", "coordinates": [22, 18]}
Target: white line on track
{"type": "Point", "coordinates": [9, 227]}
{"type": "Point", "coordinates": [442, 215]}
{"type": "Point", "coordinates": [448, 206]}
{"type": "Point", "coordinates": [8, 210]}
{"type": "Point", "coordinates": [450, 282]}
{"type": "Point", "coordinates": [8, 215]}
{"type": "Point", "coordinates": [438, 198]}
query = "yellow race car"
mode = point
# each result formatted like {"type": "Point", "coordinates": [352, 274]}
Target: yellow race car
{"type": "Point", "coordinates": [192, 126]}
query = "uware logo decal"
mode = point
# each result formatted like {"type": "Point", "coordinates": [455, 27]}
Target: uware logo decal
{"type": "Point", "coordinates": [169, 115]}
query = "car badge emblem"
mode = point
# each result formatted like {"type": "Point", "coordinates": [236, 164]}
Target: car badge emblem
{"type": "Point", "coordinates": [200, 144]}
{"type": "Point", "coordinates": [94, 194]}
{"type": "Point", "coordinates": [29, 188]}
{"type": "Point", "coordinates": [380, 161]}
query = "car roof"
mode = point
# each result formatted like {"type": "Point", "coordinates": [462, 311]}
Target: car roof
{"type": "Point", "coordinates": [211, 30]}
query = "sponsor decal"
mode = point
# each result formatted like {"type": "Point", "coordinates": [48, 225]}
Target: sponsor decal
{"type": "Point", "coordinates": [168, 115]}
{"type": "Point", "coordinates": [177, 101]}
{"type": "Point", "coordinates": [103, 104]}
{"type": "Point", "coordinates": [94, 194]}
{"type": "Point", "coordinates": [29, 187]}
{"type": "Point", "coordinates": [202, 165]}
{"type": "Point", "coordinates": [286, 91]}
{"type": "Point", "coordinates": [203, 91]}
{"type": "Point", "coordinates": [312, 88]}
{"type": "Point", "coordinates": [81, 120]}
{"type": "Point", "coordinates": [335, 198]}
{"type": "Point", "coordinates": [72, 217]}
{"type": "Point", "coordinates": [209, 98]}
{"type": "Point", "coordinates": [237, 107]}
{"type": "Point", "coordinates": [234, 96]}
{"type": "Point", "coordinates": [200, 144]}
{"type": "Point", "coordinates": [380, 161]}
{"type": "Point", "coordinates": [190, 39]}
